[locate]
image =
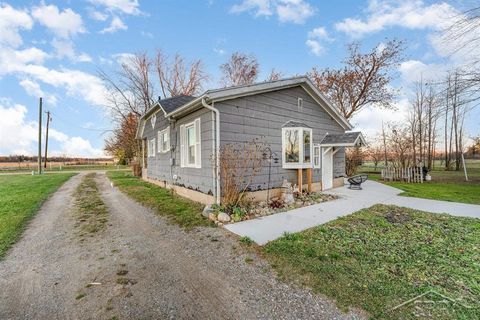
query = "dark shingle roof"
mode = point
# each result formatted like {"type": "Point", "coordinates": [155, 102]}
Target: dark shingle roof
{"type": "Point", "coordinates": [173, 103]}
{"type": "Point", "coordinates": [347, 137]}
{"type": "Point", "coordinates": [295, 124]}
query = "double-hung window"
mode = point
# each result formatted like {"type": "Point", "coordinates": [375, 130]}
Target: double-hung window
{"type": "Point", "coordinates": [190, 144]}
{"type": "Point", "coordinates": [164, 140]}
{"type": "Point", "coordinates": [297, 147]}
{"type": "Point", "coordinates": [151, 147]}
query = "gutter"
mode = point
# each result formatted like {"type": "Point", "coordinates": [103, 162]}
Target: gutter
{"type": "Point", "coordinates": [217, 149]}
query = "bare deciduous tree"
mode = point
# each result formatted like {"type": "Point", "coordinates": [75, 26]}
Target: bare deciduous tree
{"type": "Point", "coordinates": [274, 75]}
{"type": "Point", "coordinates": [179, 78]}
{"type": "Point", "coordinates": [131, 91]}
{"type": "Point", "coordinates": [364, 80]}
{"type": "Point", "coordinates": [240, 69]}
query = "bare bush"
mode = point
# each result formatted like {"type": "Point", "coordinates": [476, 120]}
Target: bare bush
{"type": "Point", "coordinates": [239, 164]}
{"type": "Point", "coordinates": [353, 159]}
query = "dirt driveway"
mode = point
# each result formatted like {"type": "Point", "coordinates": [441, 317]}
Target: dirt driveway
{"type": "Point", "coordinates": [140, 267]}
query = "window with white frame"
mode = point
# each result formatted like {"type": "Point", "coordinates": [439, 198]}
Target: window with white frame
{"type": "Point", "coordinates": [151, 148]}
{"type": "Point", "coordinates": [190, 144]}
{"type": "Point", "coordinates": [296, 147]}
{"type": "Point", "coordinates": [316, 156]}
{"type": "Point", "coordinates": [164, 140]}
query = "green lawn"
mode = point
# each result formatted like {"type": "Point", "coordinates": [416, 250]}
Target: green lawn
{"type": "Point", "coordinates": [445, 185]}
{"type": "Point", "coordinates": [20, 198]}
{"type": "Point", "coordinates": [382, 256]}
{"type": "Point", "coordinates": [178, 210]}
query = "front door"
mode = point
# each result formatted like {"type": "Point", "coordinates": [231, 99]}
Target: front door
{"type": "Point", "coordinates": [327, 168]}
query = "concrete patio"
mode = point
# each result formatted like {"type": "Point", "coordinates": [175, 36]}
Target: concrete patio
{"type": "Point", "coordinates": [265, 229]}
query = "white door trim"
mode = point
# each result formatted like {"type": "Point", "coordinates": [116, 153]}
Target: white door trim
{"type": "Point", "coordinates": [327, 169]}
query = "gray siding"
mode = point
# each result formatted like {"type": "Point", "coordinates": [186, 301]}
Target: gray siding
{"type": "Point", "coordinates": [158, 167]}
{"type": "Point", "coordinates": [262, 116]}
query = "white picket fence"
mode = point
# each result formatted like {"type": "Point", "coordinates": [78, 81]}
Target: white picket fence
{"type": "Point", "coordinates": [409, 174]}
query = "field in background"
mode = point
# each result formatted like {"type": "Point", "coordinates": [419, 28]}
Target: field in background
{"type": "Point", "coordinates": [445, 185]}
{"type": "Point", "coordinates": [6, 167]}
{"type": "Point", "coordinates": [21, 197]}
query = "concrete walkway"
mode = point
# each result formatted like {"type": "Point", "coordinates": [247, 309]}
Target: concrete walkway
{"type": "Point", "coordinates": [265, 229]}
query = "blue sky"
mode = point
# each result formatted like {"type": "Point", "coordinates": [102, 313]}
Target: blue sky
{"type": "Point", "coordinates": [54, 49]}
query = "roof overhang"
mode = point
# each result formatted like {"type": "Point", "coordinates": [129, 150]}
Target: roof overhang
{"type": "Point", "coordinates": [252, 89]}
{"type": "Point", "coordinates": [216, 95]}
{"type": "Point", "coordinates": [348, 139]}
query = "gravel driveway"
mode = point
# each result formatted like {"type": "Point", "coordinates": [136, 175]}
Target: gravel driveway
{"type": "Point", "coordinates": [140, 267]}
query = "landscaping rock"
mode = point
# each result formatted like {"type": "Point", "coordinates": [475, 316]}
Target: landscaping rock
{"type": "Point", "coordinates": [223, 217]}
{"type": "Point", "coordinates": [212, 216]}
{"type": "Point", "coordinates": [207, 210]}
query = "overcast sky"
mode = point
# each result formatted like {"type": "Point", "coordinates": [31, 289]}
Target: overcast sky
{"type": "Point", "coordinates": [54, 49]}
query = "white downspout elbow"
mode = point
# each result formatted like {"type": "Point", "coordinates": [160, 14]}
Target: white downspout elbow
{"type": "Point", "coordinates": [217, 149]}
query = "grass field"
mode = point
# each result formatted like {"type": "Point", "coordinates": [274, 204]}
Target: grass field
{"type": "Point", "coordinates": [20, 198]}
{"type": "Point", "coordinates": [383, 256]}
{"type": "Point", "coordinates": [58, 167]}
{"type": "Point", "coordinates": [445, 185]}
{"type": "Point", "coordinates": [178, 210]}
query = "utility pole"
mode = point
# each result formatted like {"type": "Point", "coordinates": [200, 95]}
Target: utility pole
{"type": "Point", "coordinates": [49, 118]}
{"type": "Point", "coordinates": [40, 137]}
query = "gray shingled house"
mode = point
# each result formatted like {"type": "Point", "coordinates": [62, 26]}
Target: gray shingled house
{"type": "Point", "coordinates": [181, 135]}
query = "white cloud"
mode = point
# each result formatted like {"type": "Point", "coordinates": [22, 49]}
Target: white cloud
{"type": "Point", "coordinates": [123, 58]}
{"type": "Point", "coordinates": [11, 22]}
{"type": "Point", "coordinates": [76, 83]}
{"type": "Point", "coordinates": [410, 14]}
{"type": "Point", "coordinates": [315, 39]}
{"type": "Point", "coordinates": [64, 23]}
{"type": "Point", "coordinates": [63, 48]}
{"type": "Point", "coordinates": [123, 6]}
{"type": "Point", "coordinates": [315, 47]}
{"type": "Point", "coordinates": [115, 25]}
{"type": "Point", "coordinates": [20, 136]}
{"type": "Point", "coordinates": [32, 88]}
{"type": "Point", "coordinates": [66, 49]}
{"type": "Point", "coordinates": [83, 57]}
{"type": "Point", "coordinates": [97, 15]}
{"type": "Point", "coordinates": [296, 11]}
{"type": "Point", "coordinates": [415, 70]}
{"type": "Point", "coordinates": [369, 120]}
{"type": "Point", "coordinates": [11, 60]}
{"type": "Point", "coordinates": [219, 51]}
{"type": "Point", "coordinates": [79, 147]}
{"type": "Point", "coordinates": [260, 7]}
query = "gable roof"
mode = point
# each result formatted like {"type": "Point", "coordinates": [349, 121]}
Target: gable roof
{"type": "Point", "coordinates": [171, 104]}
{"type": "Point", "coordinates": [347, 139]}
{"type": "Point", "coordinates": [173, 108]}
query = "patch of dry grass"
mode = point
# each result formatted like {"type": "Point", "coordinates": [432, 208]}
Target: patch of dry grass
{"type": "Point", "coordinates": [91, 212]}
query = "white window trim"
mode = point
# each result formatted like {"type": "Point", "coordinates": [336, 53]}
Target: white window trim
{"type": "Point", "coordinates": [300, 164]}
{"type": "Point", "coordinates": [160, 142]}
{"type": "Point", "coordinates": [319, 165]}
{"type": "Point", "coordinates": [184, 147]}
{"type": "Point", "coordinates": [151, 147]}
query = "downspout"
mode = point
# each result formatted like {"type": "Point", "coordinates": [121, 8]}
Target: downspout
{"type": "Point", "coordinates": [217, 149]}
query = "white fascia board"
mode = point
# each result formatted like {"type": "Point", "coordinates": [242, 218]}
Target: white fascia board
{"type": "Point", "coordinates": [194, 103]}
